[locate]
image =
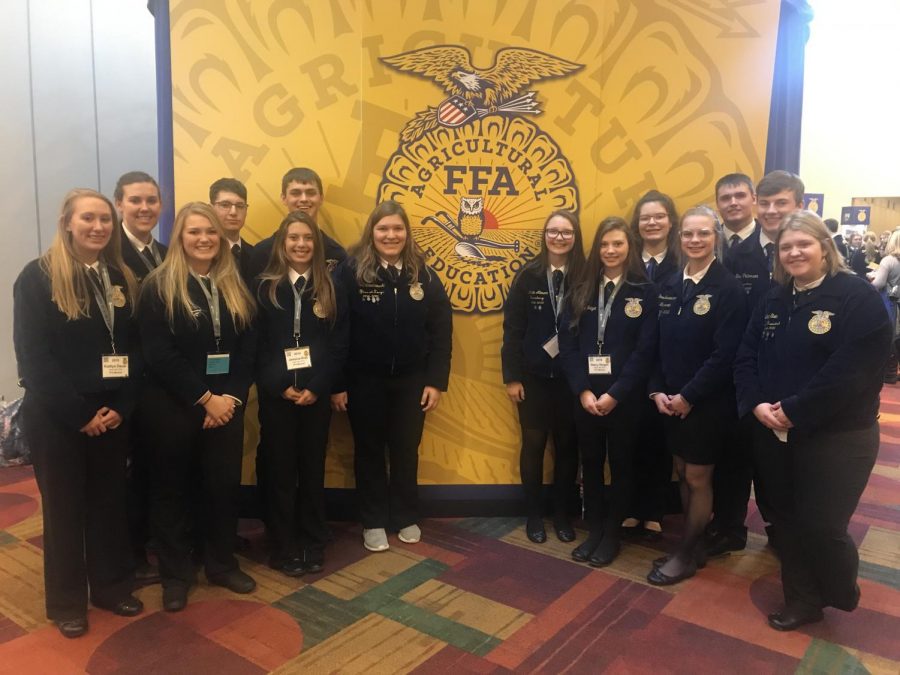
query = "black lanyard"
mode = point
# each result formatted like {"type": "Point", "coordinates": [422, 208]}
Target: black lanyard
{"type": "Point", "coordinates": [604, 310]}
{"type": "Point", "coordinates": [105, 303]}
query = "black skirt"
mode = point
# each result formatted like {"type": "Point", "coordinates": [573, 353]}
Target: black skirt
{"type": "Point", "coordinates": [700, 437]}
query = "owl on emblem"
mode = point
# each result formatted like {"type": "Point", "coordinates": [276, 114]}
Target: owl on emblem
{"type": "Point", "coordinates": [471, 216]}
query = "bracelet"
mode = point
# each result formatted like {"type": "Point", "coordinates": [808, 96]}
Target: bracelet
{"type": "Point", "coordinates": [205, 399]}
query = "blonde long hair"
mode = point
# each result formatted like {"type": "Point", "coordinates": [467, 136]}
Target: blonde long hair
{"type": "Point", "coordinates": [277, 269]}
{"type": "Point", "coordinates": [69, 285]}
{"type": "Point", "coordinates": [171, 277]}
{"type": "Point", "coordinates": [809, 223]}
{"type": "Point", "coordinates": [367, 260]}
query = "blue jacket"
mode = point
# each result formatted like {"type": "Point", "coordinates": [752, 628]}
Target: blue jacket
{"type": "Point", "coordinates": [630, 339]}
{"type": "Point", "coordinates": [821, 353]}
{"type": "Point", "coordinates": [699, 335]}
{"type": "Point", "coordinates": [747, 262]}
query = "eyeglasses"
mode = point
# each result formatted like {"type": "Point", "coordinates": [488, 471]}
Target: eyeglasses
{"type": "Point", "coordinates": [227, 206]}
{"type": "Point", "coordinates": [656, 217]}
{"type": "Point", "coordinates": [565, 235]}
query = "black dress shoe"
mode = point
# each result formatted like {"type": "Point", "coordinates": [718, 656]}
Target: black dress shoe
{"type": "Point", "coordinates": [313, 565]}
{"type": "Point", "coordinates": [293, 567]}
{"type": "Point", "coordinates": [583, 551]}
{"type": "Point", "coordinates": [73, 628]}
{"type": "Point", "coordinates": [722, 544]}
{"type": "Point", "coordinates": [792, 619]}
{"type": "Point", "coordinates": [235, 581]}
{"type": "Point", "coordinates": [564, 530]}
{"type": "Point", "coordinates": [605, 553]}
{"type": "Point", "coordinates": [174, 598]}
{"type": "Point", "coordinates": [658, 578]}
{"type": "Point", "coordinates": [146, 574]}
{"type": "Point", "coordinates": [130, 606]}
{"type": "Point", "coordinates": [534, 530]}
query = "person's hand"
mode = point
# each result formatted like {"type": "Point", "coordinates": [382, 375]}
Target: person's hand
{"type": "Point", "coordinates": [766, 414]}
{"type": "Point", "coordinates": [515, 391]}
{"type": "Point", "coordinates": [290, 394]}
{"type": "Point", "coordinates": [339, 401]}
{"type": "Point", "coordinates": [219, 409]}
{"type": "Point", "coordinates": [663, 404]}
{"type": "Point", "coordinates": [431, 396]}
{"type": "Point", "coordinates": [96, 426]}
{"type": "Point", "coordinates": [781, 416]}
{"type": "Point", "coordinates": [606, 404]}
{"type": "Point", "coordinates": [305, 397]}
{"type": "Point", "coordinates": [588, 402]}
{"type": "Point", "coordinates": [111, 419]}
{"type": "Point", "coordinates": [679, 406]}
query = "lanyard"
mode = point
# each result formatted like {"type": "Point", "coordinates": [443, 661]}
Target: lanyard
{"type": "Point", "coordinates": [298, 305]}
{"type": "Point", "coordinates": [105, 303]}
{"type": "Point", "coordinates": [153, 252]}
{"type": "Point", "coordinates": [603, 310]}
{"type": "Point", "coordinates": [555, 303]}
{"type": "Point", "coordinates": [212, 299]}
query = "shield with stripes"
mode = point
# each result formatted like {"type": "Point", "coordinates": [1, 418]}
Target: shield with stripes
{"type": "Point", "coordinates": [455, 111]}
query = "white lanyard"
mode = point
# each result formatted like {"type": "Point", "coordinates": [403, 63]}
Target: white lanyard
{"type": "Point", "coordinates": [212, 299]}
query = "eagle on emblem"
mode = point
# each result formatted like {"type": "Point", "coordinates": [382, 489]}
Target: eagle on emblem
{"type": "Point", "coordinates": [475, 91]}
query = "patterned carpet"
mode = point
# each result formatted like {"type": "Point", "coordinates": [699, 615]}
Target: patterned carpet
{"type": "Point", "coordinates": [475, 596]}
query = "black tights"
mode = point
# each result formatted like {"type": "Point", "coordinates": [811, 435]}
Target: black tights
{"type": "Point", "coordinates": [695, 485]}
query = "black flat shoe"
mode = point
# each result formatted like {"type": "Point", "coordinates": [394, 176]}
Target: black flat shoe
{"type": "Point", "coordinates": [605, 553]}
{"type": "Point", "coordinates": [585, 549]}
{"type": "Point", "coordinates": [791, 619]}
{"type": "Point", "coordinates": [146, 574]}
{"type": "Point", "coordinates": [73, 628]}
{"type": "Point", "coordinates": [235, 581]}
{"type": "Point", "coordinates": [534, 530]}
{"type": "Point", "coordinates": [174, 598]}
{"type": "Point", "coordinates": [564, 530]}
{"type": "Point", "coordinates": [130, 606]}
{"type": "Point", "coordinates": [658, 578]}
{"type": "Point", "coordinates": [700, 559]}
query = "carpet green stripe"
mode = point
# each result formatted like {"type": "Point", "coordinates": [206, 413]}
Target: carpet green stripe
{"type": "Point", "coordinates": [880, 574]}
{"type": "Point", "coordinates": [490, 527]}
{"type": "Point", "coordinates": [319, 614]}
{"type": "Point", "coordinates": [400, 584]}
{"type": "Point", "coordinates": [825, 658]}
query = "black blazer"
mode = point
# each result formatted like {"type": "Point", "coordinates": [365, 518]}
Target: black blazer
{"type": "Point", "coordinates": [275, 333]}
{"type": "Point", "coordinates": [243, 260]}
{"type": "Point", "coordinates": [59, 361]}
{"type": "Point", "coordinates": [747, 262]}
{"type": "Point", "coordinates": [138, 264]}
{"type": "Point", "coordinates": [176, 355]}
{"type": "Point", "coordinates": [528, 323]}
{"type": "Point", "coordinates": [666, 268]}
{"type": "Point", "coordinates": [630, 339]}
{"type": "Point", "coordinates": [391, 333]}
{"type": "Point", "coordinates": [698, 336]}
{"type": "Point", "coordinates": [259, 258]}
{"type": "Point", "coordinates": [820, 352]}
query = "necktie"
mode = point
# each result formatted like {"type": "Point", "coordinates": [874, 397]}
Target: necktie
{"type": "Point", "coordinates": [770, 249]}
{"type": "Point", "coordinates": [394, 273]}
{"type": "Point", "coordinates": [236, 251]}
{"type": "Point", "coordinates": [651, 268]}
{"type": "Point", "coordinates": [735, 240]}
{"type": "Point", "coordinates": [300, 284]}
{"type": "Point", "coordinates": [557, 281]}
{"type": "Point", "coordinates": [94, 276]}
{"type": "Point", "coordinates": [205, 280]}
{"type": "Point", "coordinates": [607, 291]}
{"type": "Point", "coordinates": [148, 256]}
{"type": "Point", "coordinates": [689, 288]}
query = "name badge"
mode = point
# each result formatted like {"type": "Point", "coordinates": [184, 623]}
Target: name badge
{"type": "Point", "coordinates": [114, 365]}
{"type": "Point", "coordinates": [598, 364]}
{"type": "Point", "coordinates": [297, 358]}
{"type": "Point", "coordinates": [551, 346]}
{"type": "Point", "coordinates": [217, 364]}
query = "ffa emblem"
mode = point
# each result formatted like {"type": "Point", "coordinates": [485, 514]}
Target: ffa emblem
{"type": "Point", "coordinates": [475, 176]}
{"type": "Point", "coordinates": [633, 307]}
{"type": "Point", "coordinates": [116, 296]}
{"type": "Point", "coordinates": [416, 292]}
{"type": "Point", "coordinates": [820, 324]}
{"type": "Point", "coordinates": [318, 310]}
{"type": "Point", "coordinates": [701, 304]}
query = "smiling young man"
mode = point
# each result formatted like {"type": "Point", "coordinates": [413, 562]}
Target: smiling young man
{"type": "Point", "coordinates": [301, 190]}
{"type": "Point", "coordinates": [139, 204]}
{"type": "Point", "coordinates": [228, 197]}
{"type": "Point", "coordinates": [735, 199]}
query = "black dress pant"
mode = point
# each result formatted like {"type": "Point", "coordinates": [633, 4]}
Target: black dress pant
{"type": "Point", "coordinates": [732, 480]}
{"type": "Point", "coordinates": [295, 487]}
{"type": "Point", "coordinates": [82, 484]}
{"type": "Point", "coordinates": [138, 487]}
{"type": "Point", "coordinates": [613, 436]}
{"type": "Point", "coordinates": [548, 411]}
{"type": "Point", "coordinates": [653, 466]}
{"type": "Point", "coordinates": [812, 486]}
{"type": "Point", "coordinates": [386, 414]}
{"type": "Point", "coordinates": [193, 468]}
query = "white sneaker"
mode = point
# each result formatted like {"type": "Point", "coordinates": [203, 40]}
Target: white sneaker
{"type": "Point", "coordinates": [375, 539]}
{"type": "Point", "coordinates": [411, 534]}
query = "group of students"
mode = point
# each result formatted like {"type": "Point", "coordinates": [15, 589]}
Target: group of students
{"type": "Point", "coordinates": [742, 346]}
{"type": "Point", "coordinates": [137, 360]}
{"type": "Point", "coordinates": [131, 354]}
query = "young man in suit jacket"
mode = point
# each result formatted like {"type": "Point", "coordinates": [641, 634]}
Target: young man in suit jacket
{"type": "Point", "coordinates": [228, 196]}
